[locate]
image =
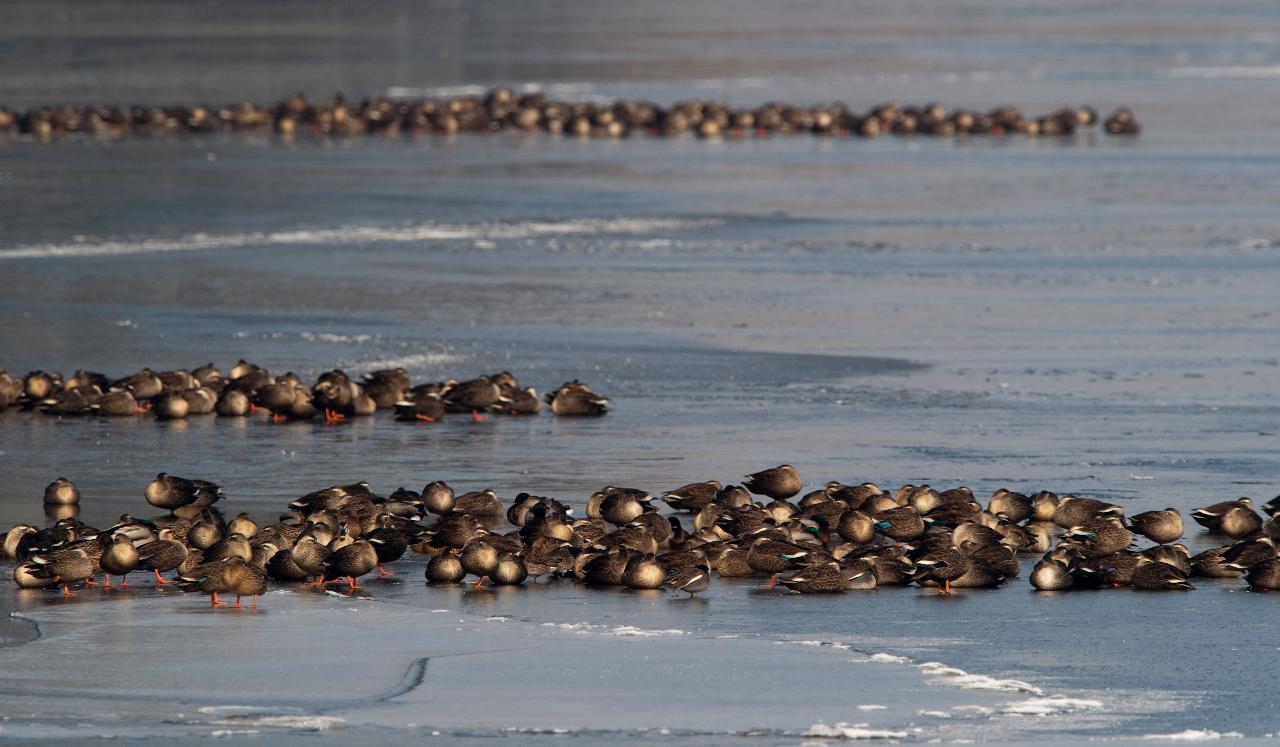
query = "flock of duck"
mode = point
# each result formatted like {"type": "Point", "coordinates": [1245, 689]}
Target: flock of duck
{"type": "Point", "coordinates": [247, 388]}
{"type": "Point", "coordinates": [830, 540]}
{"type": "Point", "coordinates": [504, 109]}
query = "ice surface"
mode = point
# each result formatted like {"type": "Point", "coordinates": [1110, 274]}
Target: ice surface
{"type": "Point", "coordinates": [1194, 735]}
{"type": "Point", "coordinates": [1030, 314]}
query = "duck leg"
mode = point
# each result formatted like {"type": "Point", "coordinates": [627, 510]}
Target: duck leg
{"type": "Point", "coordinates": [773, 582]}
{"type": "Point", "coordinates": [215, 600]}
{"type": "Point", "coordinates": [480, 582]}
{"type": "Point", "coordinates": [946, 586]}
{"type": "Point", "coordinates": [425, 418]}
{"type": "Point", "coordinates": [124, 582]}
{"type": "Point", "coordinates": [91, 583]}
{"type": "Point", "coordinates": [383, 571]}
{"type": "Point", "coordinates": [351, 583]}
{"type": "Point", "coordinates": [160, 579]}
{"type": "Point", "coordinates": [107, 583]}
{"type": "Point", "coordinates": [254, 606]}
{"type": "Point", "coordinates": [476, 417]}
{"type": "Point", "coordinates": [236, 606]}
{"type": "Point", "coordinates": [67, 592]}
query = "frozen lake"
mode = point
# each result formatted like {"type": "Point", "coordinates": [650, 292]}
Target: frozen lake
{"type": "Point", "coordinates": [1091, 316]}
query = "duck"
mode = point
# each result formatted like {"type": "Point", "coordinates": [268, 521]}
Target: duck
{"type": "Point", "coordinates": [771, 556]}
{"type": "Point", "coordinates": [522, 402]}
{"type": "Point", "coordinates": [575, 399]}
{"type": "Point", "coordinates": [312, 557]}
{"type": "Point", "coordinates": [475, 395]}
{"type": "Point", "coordinates": [1264, 576]}
{"type": "Point", "coordinates": [900, 524]}
{"type": "Point", "coordinates": [603, 568]}
{"type": "Point", "coordinates": [1176, 555]}
{"type": "Point", "coordinates": [1072, 511]}
{"type": "Point", "coordinates": [510, 570]}
{"type": "Point", "coordinates": [1212, 564]}
{"type": "Point", "coordinates": [17, 539]}
{"type": "Point", "coordinates": [779, 483]}
{"type": "Point", "coordinates": [1102, 536]}
{"type": "Point", "coordinates": [351, 562]}
{"type": "Point", "coordinates": [171, 492]}
{"type": "Point", "coordinates": [689, 578]}
{"type": "Point", "coordinates": [118, 403]}
{"type": "Point", "coordinates": [119, 558]}
{"type": "Point", "coordinates": [283, 567]}
{"type": "Point", "coordinates": [61, 492]}
{"type": "Point", "coordinates": [693, 497]}
{"type": "Point", "coordinates": [171, 406]}
{"type": "Point", "coordinates": [200, 401]}
{"type": "Point", "coordinates": [941, 566]}
{"type": "Point", "coordinates": [1044, 505]}
{"type": "Point", "coordinates": [204, 534]}
{"type": "Point", "coordinates": [438, 498]}
{"type": "Point", "coordinates": [143, 385]}
{"type": "Point", "coordinates": [30, 575]}
{"type": "Point", "coordinates": [428, 408]}
{"type": "Point", "coordinates": [445, 569]}
{"type": "Point", "coordinates": [479, 558]}
{"type": "Point", "coordinates": [1122, 122]}
{"type": "Point", "coordinates": [1151, 575]}
{"type": "Point", "coordinates": [244, 580]}
{"type": "Point", "coordinates": [823, 578]}
{"type": "Point", "coordinates": [480, 503]}
{"type": "Point", "coordinates": [69, 566]}
{"type": "Point", "coordinates": [1015, 507]}
{"type": "Point", "coordinates": [733, 563]}
{"type": "Point", "coordinates": [207, 578]}
{"type": "Point", "coordinates": [1051, 575]}
{"type": "Point", "coordinates": [621, 506]}
{"type": "Point", "coordinates": [892, 568]}
{"type": "Point", "coordinates": [856, 527]}
{"type": "Point", "coordinates": [389, 543]}
{"type": "Point", "coordinates": [1235, 519]}
{"type": "Point", "coordinates": [230, 546]}
{"type": "Point", "coordinates": [549, 555]}
{"type": "Point", "coordinates": [643, 572]}
{"type": "Point", "coordinates": [242, 524]}
{"type": "Point", "coordinates": [232, 403]}
{"type": "Point", "coordinates": [1001, 559]}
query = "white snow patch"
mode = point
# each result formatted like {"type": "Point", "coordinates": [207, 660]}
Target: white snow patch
{"type": "Point", "coordinates": [1050, 705]}
{"type": "Point", "coordinates": [956, 677]}
{"type": "Point", "coordinates": [83, 246]}
{"type": "Point", "coordinates": [630, 631]}
{"type": "Point", "coordinates": [1194, 735]}
{"type": "Point", "coordinates": [416, 360]}
{"type": "Point", "coordinates": [842, 730]}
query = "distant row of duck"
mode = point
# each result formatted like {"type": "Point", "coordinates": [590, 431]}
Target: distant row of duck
{"type": "Point", "coordinates": [832, 539]}
{"type": "Point", "coordinates": [504, 109]}
{"type": "Point", "coordinates": [247, 388]}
